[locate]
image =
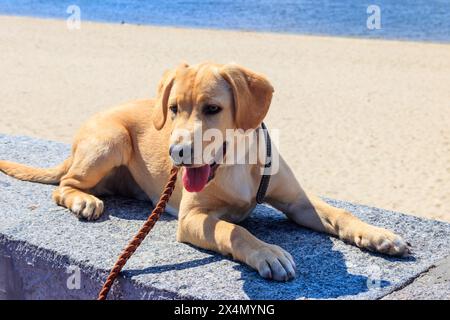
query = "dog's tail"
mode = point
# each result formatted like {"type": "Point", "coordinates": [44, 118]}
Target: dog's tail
{"type": "Point", "coordinates": [26, 173]}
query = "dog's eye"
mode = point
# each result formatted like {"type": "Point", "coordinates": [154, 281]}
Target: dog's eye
{"type": "Point", "coordinates": [174, 108]}
{"type": "Point", "coordinates": [210, 109]}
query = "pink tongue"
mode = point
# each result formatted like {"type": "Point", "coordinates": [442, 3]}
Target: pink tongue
{"type": "Point", "coordinates": [195, 179]}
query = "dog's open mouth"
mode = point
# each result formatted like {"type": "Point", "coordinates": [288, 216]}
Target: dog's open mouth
{"type": "Point", "coordinates": [196, 178]}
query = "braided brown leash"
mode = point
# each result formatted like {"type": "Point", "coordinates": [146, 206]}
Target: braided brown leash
{"type": "Point", "coordinates": [140, 236]}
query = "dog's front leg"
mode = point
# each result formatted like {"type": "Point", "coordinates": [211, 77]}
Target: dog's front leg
{"type": "Point", "coordinates": [310, 211]}
{"type": "Point", "coordinates": [205, 230]}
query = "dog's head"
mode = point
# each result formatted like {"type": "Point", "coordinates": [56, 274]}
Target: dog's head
{"type": "Point", "coordinates": [203, 102]}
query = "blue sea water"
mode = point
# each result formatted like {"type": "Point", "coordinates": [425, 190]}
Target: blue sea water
{"type": "Point", "coordinates": [421, 20]}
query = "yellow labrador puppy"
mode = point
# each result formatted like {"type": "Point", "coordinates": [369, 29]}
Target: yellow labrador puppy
{"type": "Point", "coordinates": [125, 151]}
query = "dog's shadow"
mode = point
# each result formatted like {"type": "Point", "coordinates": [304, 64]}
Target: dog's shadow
{"type": "Point", "coordinates": [322, 272]}
{"type": "Point", "coordinates": [127, 209]}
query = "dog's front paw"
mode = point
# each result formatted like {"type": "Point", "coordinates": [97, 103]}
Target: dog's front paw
{"type": "Point", "coordinates": [273, 262]}
{"type": "Point", "coordinates": [383, 241]}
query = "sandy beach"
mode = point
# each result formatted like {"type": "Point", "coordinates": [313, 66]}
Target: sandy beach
{"type": "Point", "coordinates": [366, 121]}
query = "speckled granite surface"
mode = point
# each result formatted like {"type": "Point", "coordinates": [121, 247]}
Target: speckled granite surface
{"type": "Point", "coordinates": [40, 243]}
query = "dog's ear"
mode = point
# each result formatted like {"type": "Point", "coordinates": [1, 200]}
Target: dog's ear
{"type": "Point", "coordinates": [252, 95]}
{"type": "Point", "coordinates": [163, 92]}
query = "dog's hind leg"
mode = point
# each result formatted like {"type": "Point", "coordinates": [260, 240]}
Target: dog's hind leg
{"type": "Point", "coordinates": [94, 156]}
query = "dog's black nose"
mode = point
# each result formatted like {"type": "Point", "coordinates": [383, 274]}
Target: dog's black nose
{"type": "Point", "coordinates": [176, 150]}
{"type": "Point", "coordinates": [179, 155]}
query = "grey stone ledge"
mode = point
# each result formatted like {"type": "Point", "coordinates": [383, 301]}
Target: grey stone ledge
{"type": "Point", "coordinates": [41, 243]}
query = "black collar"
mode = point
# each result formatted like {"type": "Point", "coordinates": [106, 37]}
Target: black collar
{"type": "Point", "coordinates": [265, 178]}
